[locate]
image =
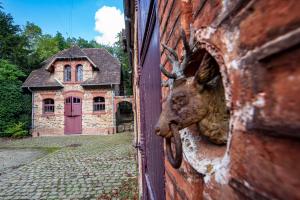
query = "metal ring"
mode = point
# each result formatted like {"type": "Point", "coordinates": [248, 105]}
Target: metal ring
{"type": "Point", "coordinates": [174, 161]}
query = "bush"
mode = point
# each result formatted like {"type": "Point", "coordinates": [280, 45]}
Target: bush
{"type": "Point", "coordinates": [15, 106]}
{"type": "Point", "coordinates": [16, 130]}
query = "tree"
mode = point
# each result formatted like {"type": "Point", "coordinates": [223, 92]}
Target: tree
{"type": "Point", "coordinates": [94, 44]}
{"type": "Point", "coordinates": [61, 41]}
{"type": "Point", "coordinates": [82, 43]}
{"type": "Point", "coordinates": [13, 44]}
{"type": "Point", "coordinates": [125, 66]}
{"type": "Point", "coordinates": [46, 47]}
{"type": "Point", "coordinates": [12, 99]}
{"type": "Point", "coordinates": [71, 41]}
{"type": "Point", "coordinates": [9, 37]}
{"type": "Point", "coordinates": [32, 33]}
{"type": "Point", "coordinates": [14, 104]}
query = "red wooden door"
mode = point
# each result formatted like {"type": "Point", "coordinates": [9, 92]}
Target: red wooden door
{"type": "Point", "coordinates": [150, 94]}
{"type": "Point", "coordinates": [73, 115]}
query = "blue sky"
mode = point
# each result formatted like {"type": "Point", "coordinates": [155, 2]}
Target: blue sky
{"type": "Point", "coordinates": [75, 18]}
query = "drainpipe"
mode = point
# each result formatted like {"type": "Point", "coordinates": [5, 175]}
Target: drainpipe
{"type": "Point", "coordinates": [113, 108]}
{"type": "Point", "coordinates": [32, 108]}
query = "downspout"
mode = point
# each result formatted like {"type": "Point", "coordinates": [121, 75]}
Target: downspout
{"type": "Point", "coordinates": [113, 108]}
{"type": "Point", "coordinates": [32, 108]}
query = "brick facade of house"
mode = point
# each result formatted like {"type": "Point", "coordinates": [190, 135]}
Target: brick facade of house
{"type": "Point", "coordinates": [92, 122]}
{"type": "Point", "coordinates": [256, 45]}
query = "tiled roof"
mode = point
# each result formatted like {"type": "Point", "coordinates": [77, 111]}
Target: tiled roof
{"type": "Point", "coordinates": [41, 78]}
{"type": "Point", "coordinates": [108, 68]}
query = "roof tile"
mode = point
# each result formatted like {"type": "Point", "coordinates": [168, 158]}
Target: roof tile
{"type": "Point", "coordinates": [108, 68]}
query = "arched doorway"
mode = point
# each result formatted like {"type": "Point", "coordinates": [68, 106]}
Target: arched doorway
{"type": "Point", "coordinates": [124, 116]}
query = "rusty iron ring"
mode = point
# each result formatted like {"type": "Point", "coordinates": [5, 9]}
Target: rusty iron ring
{"type": "Point", "coordinates": [174, 161]}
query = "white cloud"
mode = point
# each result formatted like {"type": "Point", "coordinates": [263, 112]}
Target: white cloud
{"type": "Point", "coordinates": [109, 22]}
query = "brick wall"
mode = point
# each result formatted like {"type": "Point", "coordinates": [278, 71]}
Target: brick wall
{"type": "Point", "coordinates": [92, 122]}
{"type": "Point", "coordinates": [257, 46]}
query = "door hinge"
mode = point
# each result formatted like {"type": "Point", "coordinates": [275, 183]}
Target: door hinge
{"type": "Point", "coordinates": [139, 71]}
{"type": "Point", "coordinates": [139, 146]}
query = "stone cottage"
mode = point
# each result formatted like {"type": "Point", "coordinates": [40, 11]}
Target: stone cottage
{"type": "Point", "coordinates": [73, 93]}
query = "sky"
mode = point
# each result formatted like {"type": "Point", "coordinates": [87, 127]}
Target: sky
{"type": "Point", "coordinates": [100, 20]}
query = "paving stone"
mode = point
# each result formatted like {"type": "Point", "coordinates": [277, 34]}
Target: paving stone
{"type": "Point", "coordinates": [100, 164]}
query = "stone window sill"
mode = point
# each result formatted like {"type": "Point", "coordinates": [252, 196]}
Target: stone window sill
{"type": "Point", "coordinates": [48, 114]}
{"type": "Point", "coordinates": [99, 112]}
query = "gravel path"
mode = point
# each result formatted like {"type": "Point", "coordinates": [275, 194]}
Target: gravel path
{"type": "Point", "coordinates": [84, 167]}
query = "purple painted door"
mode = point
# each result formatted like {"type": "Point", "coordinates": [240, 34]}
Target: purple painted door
{"type": "Point", "coordinates": [150, 94]}
{"type": "Point", "coordinates": [73, 115]}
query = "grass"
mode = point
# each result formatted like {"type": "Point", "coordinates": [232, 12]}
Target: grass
{"type": "Point", "coordinates": [128, 190]}
{"type": "Point", "coordinates": [64, 141]}
{"type": "Point", "coordinates": [47, 150]}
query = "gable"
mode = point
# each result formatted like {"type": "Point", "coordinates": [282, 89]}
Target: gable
{"type": "Point", "coordinates": [107, 67]}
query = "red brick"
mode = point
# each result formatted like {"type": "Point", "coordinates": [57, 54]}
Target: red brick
{"type": "Point", "coordinates": [267, 20]}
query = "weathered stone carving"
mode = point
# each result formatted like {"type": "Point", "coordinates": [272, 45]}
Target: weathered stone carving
{"type": "Point", "coordinates": [199, 99]}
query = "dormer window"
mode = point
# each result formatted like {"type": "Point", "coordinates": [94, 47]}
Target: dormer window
{"type": "Point", "coordinates": [67, 73]}
{"type": "Point", "coordinates": [79, 73]}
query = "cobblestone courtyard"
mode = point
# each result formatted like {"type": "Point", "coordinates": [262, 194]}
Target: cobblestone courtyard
{"type": "Point", "coordinates": [73, 167]}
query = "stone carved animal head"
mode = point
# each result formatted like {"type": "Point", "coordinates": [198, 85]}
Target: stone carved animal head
{"type": "Point", "coordinates": [199, 99]}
